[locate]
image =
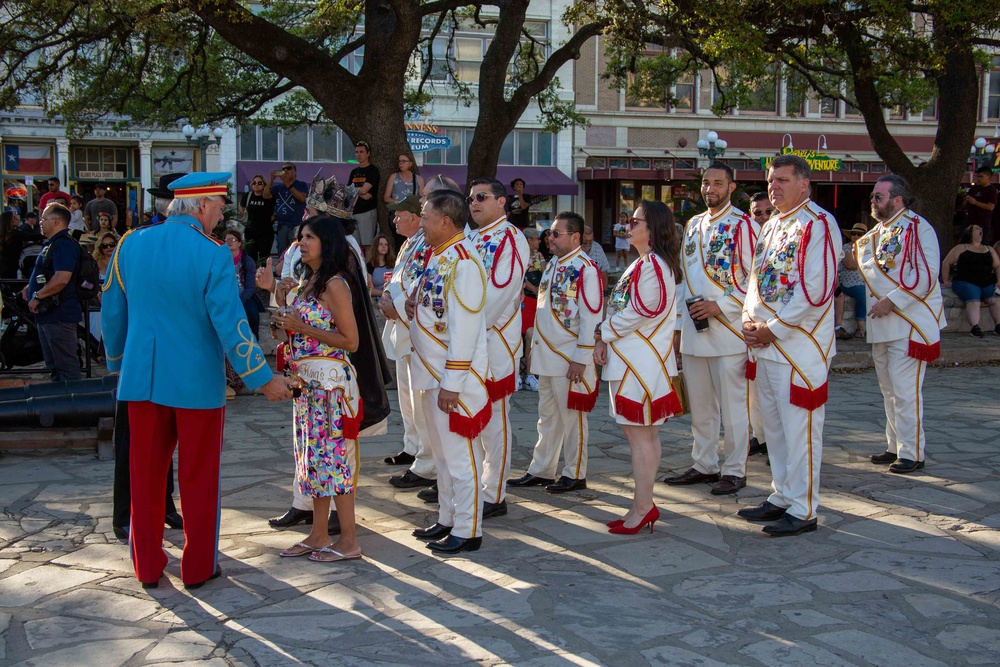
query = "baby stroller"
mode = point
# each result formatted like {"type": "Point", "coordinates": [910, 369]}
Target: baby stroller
{"type": "Point", "coordinates": [19, 342]}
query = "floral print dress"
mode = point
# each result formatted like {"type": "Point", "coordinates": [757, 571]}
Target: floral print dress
{"type": "Point", "coordinates": [328, 411]}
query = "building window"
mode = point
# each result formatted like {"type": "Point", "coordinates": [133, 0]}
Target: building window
{"type": "Point", "coordinates": [993, 92]}
{"type": "Point", "coordinates": [595, 163]}
{"type": "Point", "coordinates": [324, 141]}
{"type": "Point", "coordinates": [465, 51]}
{"type": "Point", "coordinates": [295, 144]}
{"type": "Point", "coordinates": [248, 142]}
{"type": "Point", "coordinates": [633, 100]}
{"type": "Point", "coordinates": [269, 144]}
{"type": "Point", "coordinates": [87, 159]}
{"type": "Point", "coordinates": [828, 106]}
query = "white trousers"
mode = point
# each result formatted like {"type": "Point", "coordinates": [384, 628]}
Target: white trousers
{"type": "Point", "coordinates": [496, 441]}
{"type": "Point", "coordinates": [458, 462]}
{"type": "Point", "coordinates": [414, 424]}
{"type": "Point", "coordinates": [303, 502]}
{"type": "Point", "coordinates": [753, 409]}
{"type": "Point", "coordinates": [794, 441]}
{"type": "Point", "coordinates": [559, 428]}
{"type": "Point", "coordinates": [901, 379]}
{"type": "Point", "coordinates": [717, 391]}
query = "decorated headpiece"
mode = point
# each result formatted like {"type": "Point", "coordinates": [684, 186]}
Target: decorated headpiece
{"type": "Point", "coordinates": [327, 196]}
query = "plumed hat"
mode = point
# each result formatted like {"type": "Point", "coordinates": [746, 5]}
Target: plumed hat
{"type": "Point", "coordinates": [327, 196]}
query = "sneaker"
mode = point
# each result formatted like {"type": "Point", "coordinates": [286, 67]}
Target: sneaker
{"type": "Point", "coordinates": [976, 331]}
{"type": "Point", "coordinates": [517, 386]}
{"type": "Point", "coordinates": [531, 383]}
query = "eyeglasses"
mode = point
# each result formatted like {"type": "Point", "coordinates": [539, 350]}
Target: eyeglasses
{"type": "Point", "coordinates": [766, 212]}
{"type": "Point", "coordinates": [404, 159]}
{"type": "Point", "coordinates": [232, 240]}
{"type": "Point", "coordinates": [632, 222]}
{"type": "Point", "coordinates": [479, 197]}
{"type": "Point", "coordinates": [878, 196]}
{"type": "Point", "coordinates": [107, 246]}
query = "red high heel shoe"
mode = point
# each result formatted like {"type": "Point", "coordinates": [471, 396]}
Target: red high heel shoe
{"type": "Point", "coordinates": [650, 518]}
{"type": "Point", "coordinates": [616, 522]}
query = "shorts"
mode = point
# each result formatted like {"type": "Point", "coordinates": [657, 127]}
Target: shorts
{"type": "Point", "coordinates": [367, 226]}
{"type": "Point", "coordinates": [972, 293]}
{"type": "Point", "coordinates": [528, 308]}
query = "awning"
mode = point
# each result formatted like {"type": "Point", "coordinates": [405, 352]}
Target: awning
{"type": "Point", "coordinates": [538, 180]}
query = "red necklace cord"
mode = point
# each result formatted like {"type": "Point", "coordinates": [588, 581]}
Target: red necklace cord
{"type": "Point", "coordinates": [827, 246]}
{"type": "Point", "coordinates": [583, 290]}
{"type": "Point", "coordinates": [912, 246]}
{"type": "Point", "coordinates": [640, 307]}
{"type": "Point", "coordinates": [507, 237]}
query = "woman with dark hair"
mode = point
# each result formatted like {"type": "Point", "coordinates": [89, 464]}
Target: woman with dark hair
{"type": "Point", "coordinates": [972, 271]}
{"type": "Point", "coordinates": [380, 260]}
{"type": "Point", "coordinates": [543, 245]}
{"type": "Point", "coordinates": [327, 414]}
{"type": "Point", "coordinates": [246, 269]}
{"type": "Point", "coordinates": [636, 345]}
{"type": "Point", "coordinates": [258, 207]}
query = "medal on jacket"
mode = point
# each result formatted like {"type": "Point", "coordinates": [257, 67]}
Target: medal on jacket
{"type": "Point", "coordinates": [438, 306]}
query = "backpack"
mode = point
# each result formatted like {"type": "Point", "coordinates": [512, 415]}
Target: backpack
{"type": "Point", "coordinates": [88, 274]}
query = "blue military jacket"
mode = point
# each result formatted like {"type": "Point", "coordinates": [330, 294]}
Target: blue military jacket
{"type": "Point", "coordinates": [171, 313]}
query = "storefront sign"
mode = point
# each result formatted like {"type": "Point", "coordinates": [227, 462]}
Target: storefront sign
{"type": "Point", "coordinates": [104, 175]}
{"type": "Point", "coordinates": [421, 141]}
{"type": "Point", "coordinates": [112, 134]}
{"type": "Point", "coordinates": [817, 161]}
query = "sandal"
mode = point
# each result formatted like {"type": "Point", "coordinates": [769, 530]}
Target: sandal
{"type": "Point", "coordinates": [291, 553]}
{"type": "Point", "coordinates": [842, 334]}
{"type": "Point", "coordinates": [859, 334]}
{"type": "Point", "coordinates": [327, 550]}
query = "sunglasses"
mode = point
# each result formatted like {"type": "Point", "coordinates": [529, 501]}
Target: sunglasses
{"type": "Point", "coordinates": [479, 197]}
{"type": "Point", "coordinates": [766, 212]}
{"type": "Point", "coordinates": [878, 196]}
{"type": "Point", "coordinates": [555, 233]}
{"type": "Point", "coordinates": [107, 245]}
{"type": "Point", "coordinates": [632, 222]}
{"type": "Point", "coordinates": [257, 183]}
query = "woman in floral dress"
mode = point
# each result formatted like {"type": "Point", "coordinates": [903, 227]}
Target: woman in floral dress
{"type": "Point", "coordinates": [327, 414]}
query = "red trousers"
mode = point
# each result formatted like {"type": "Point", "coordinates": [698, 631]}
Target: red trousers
{"type": "Point", "coordinates": [155, 430]}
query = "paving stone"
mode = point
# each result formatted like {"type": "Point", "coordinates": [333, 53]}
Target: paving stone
{"type": "Point", "coordinates": [736, 591]}
{"type": "Point", "coordinates": [4, 624]}
{"type": "Point", "coordinates": [186, 645]}
{"type": "Point", "coordinates": [107, 653]}
{"type": "Point", "coordinates": [658, 557]}
{"type": "Point", "coordinates": [30, 472]}
{"type": "Point", "coordinates": [939, 607]}
{"type": "Point", "coordinates": [931, 500]}
{"type": "Point", "coordinates": [978, 645]}
{"type": "Point", "coordinates": [50, 632]}
{"type": "Point", "coordinates": [884, 616]}
{"type": "Point", "coordinates": [901, 532]}
{"type": "Point", "coordinates": [111, 557]}
{"type": "Point", "coordinates": [708, 638]}
{"type": "Point", "coordinates": [809, 618]}
{"type": "Point", "coordinates": [29, 586]}
{"type": "Point", "coordinates": [967, 577]}
{"type": "Point", "coordinates": [90, 602]}
{"type": "Point", "coordinates": [678, 657]}
{"type": "Point", "coordinates": [778, 653]}
{"type": "Point", "coordinates": [877, 650]}
{"type": "Point", "coordinates": [853, 582]}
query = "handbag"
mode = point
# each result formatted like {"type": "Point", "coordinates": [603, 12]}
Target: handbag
{"type": "Point", "coordinates": [680, 388]}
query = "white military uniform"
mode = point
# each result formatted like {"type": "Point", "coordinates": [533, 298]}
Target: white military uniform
{"type": "Point", "coordinates": [791, 289]}
{"type": "Point", "coordinates": [717, 255]}
{"type": "Point", "coordinates": [396, 341]}
{"type": "Point", "coordinates": [639, 332]}
{"type": "Point", "coordinates": [570, 306]}
{"type": "Point", "coordinates": [504, 252]}
{"type": "Point", "coordinates": [899, 259]}
{"type": "Point", "coordinates": [448, 334]}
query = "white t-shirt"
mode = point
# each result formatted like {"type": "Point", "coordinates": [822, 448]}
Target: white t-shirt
{"type": "Point", "coordinates": [620, 233]}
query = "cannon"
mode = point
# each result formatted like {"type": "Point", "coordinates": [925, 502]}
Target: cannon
{"type": "Point", "coordinates": [74, 409]}
{"type": "Point", "coordinates": [40, 389]}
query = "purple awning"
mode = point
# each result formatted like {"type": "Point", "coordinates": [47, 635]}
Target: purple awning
{"type": "Point", "coordinates": [538, 180]}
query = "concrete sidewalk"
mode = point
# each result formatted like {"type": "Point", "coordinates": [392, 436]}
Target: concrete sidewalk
{"type": "Point", "coordinates": [904, 570]}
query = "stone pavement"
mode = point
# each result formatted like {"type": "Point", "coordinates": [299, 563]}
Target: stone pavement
{"type": "Point", "coordinates": [904, 570]}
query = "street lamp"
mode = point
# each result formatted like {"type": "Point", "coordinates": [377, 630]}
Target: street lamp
{"type": "Point", "coordinates": [712, 146]}
{"type": "Point", "coordinates": [982, 153]}
{"type": "Point", "coordinates": [202, 137]}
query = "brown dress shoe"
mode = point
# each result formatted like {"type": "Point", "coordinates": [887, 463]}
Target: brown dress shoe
{"type": "Point", "coordinates": [692, 476]}
{"type": "Point", "coordinates": [728, 484]}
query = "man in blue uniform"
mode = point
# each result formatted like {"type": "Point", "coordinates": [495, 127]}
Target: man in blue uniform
{"type": "Point", "coordinates": [171, 314]}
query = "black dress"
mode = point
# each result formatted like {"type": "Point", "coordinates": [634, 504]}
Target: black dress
{"type": "Point", "coordinates": [260, 227]}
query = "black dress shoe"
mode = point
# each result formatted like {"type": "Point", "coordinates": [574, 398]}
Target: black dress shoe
{"type": "Point", "coordinates": [215, 575]}
{"type": "Point", "coordinates": [429, 495]}
{"type": "Point", "coordinates": [764, 512]}
{"type": "Point", "coordinates": [903, 466]}
{"type": "Point", "coordinates": [529, 480]}
{"type": "Point", "coordinates": [756, 447]}
{"type": "Point", "coordinates": [174, 520]}
{"type": "Point", "coordinates": [435, 532]}
{"type": "Point", "coordinates": [333, 524]}
{"type": "Point", "coordinates": [566, 484]}
{"type": "Point", "coordinates": [453, 545]}
{"type": "Point", "coordinates": [121, 532]}
{"type": "Point", "coordinates": [401, 459]}
{"type": "Point", "coordinates": [410, 480]}
{"type": "Point", "coordinates": [789, 525]}
{"type": "Point", "coordinates": [883, 458]}
{"type": "Point", "coordinates": [692, 476]}
{"type": "Point", "coordinates": [291, 517]}
{"type": "Point", "coordinates": [728, 484]}
{"type": "Point", "coordinates": [494, 509]}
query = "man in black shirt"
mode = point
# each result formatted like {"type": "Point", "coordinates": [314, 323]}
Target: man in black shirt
{"type": "Point", "coordinates": [518, 204]}
{"type": "Point", "coordinates": [365, 177]}
{"type": "Point", "coordinates": [980, 202]}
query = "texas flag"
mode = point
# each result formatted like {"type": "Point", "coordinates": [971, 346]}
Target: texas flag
{"type": "Point", "coordinates": [27, 159]}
